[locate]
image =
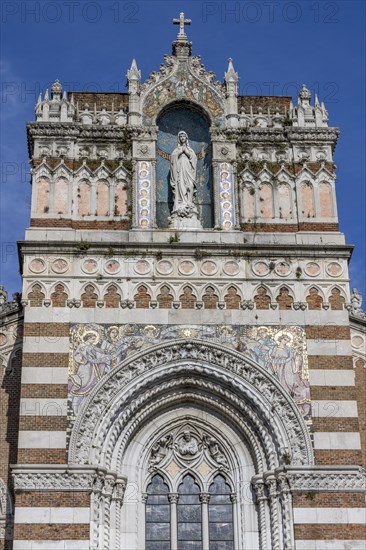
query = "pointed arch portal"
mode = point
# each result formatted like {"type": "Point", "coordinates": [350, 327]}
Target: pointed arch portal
{"type": "Point", "coordinates": [190, 408]}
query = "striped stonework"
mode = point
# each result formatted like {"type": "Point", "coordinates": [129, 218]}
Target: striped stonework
{"type": "Point", "coordinates": [146, 366]}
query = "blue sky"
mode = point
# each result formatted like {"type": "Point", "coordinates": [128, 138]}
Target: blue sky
{"type": "Point", "coordinates": [275, 45]}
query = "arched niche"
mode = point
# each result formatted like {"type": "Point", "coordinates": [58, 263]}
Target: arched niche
{"type": "Point", "coordinates": [195, 122]}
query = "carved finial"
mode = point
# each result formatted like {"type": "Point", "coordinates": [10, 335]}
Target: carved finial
{"type": "Point", "coordinates": [181, 22]}
{"type": "Point", "coordinates": [56, 90]}
{"type": "Point", "coordinates": [133, 72]}
{"type": "Point", "coordinates": [3, 295]}
{"type": "Point", "coordinates": [231, 75]}
{"type": "Point", "coordinates": [46, 96]}
{"type": "Point", "coordinates": [304, 95]}
{"type": "Point", "coordinates": [316, 101]}
{"type": "Point", "coordinates": [182, 48]}
{"type": "Point", "coordinates": [134, 78]}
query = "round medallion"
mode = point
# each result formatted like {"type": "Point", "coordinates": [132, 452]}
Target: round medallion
{"type": "Point", "coordinates": [37, 265]}
{"type": "Point", "coordinates": [59, 265]}
{"type": "Point", "coordinates": [334, 269]}
{"type": "Point", "coordinates": [3, 339]}
{"type": "Point", "coordinates": [209, 267]}
{"type": "Point", "coordinates": [261, 269]}
{"type": "Point", "coordinates": [283, 269]}
{"type": "Point", "coordinates": [357, 341]}
{"type": "Point", "coordinates": [164, 267]}
{"type": "Point", "coordinates": [112, 266]}
{"type": "Point", "coordinates": [187, 267]}
{"type": "Point", "coordinates": [89, 266]}
{"type": "Point", "coordinates": [231, 268]}
{"type": "Point", "coordinates": [142, 267]}
{"type": "Point", "coordinates": [312, 269]}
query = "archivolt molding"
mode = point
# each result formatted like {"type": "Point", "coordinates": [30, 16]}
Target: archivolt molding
{"type": "Point", "coordinates": [261, 445]}
{"type": "Point", "coordinates": [243, 381]}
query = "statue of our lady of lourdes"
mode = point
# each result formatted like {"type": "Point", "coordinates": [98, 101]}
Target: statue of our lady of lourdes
{"type": "Point", "coordinates": [183, 163]}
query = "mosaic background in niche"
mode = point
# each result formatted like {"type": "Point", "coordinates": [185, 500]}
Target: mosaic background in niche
{"type": "Point", "coordinates": [97, 349]}
{"type": "Point", "coordinates": [197, 128]}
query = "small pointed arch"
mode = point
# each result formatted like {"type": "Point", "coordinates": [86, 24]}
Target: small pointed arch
{"type": "Point", "coordinates": [266, 200]}
{"type": "Point", "coordinates": [336, 299]}
{"type": "Point", "coordinates": [187, 298]}
{"type": "Point", "coordinates": [120, 198]}
{"type": "Point", "coordinates": [89, 297]}
{"type": "Point", "coordinates": [284, 201]}
{"type": "Point", "coordinates": [262, 298]}
{"type": "Point", "coordinates": [314, 298]}
{"type": "Point", "coordinates": [307, 199]}
{"type": "Point", "coordinates": [325, 200]}
{"type": "Point", "coordinates": [43, 195]}
{"type": "Point", "coordinates": [210, 298]}
{"type": "Point", "coordinates": [36, 295]}
{"type": "Point", "coordinates": [84, 196]}
{"type": "Point", "coordinates": [61, 196]}
{"type": "Point", "coordinates": [142, 297]}
{"type": "Point", "coordinates": [102, 195]}
{"type": "Point", "coordinates": [284, 298]}
{"type": "Point", "coordinates": [165, 297]}
{"type": "Point", "coordinates": [232, 298]}
{"type": "Point", "coordinates": [158, 485]}
{"type": "Point", "coordinates": [112, 297]}
{"type": "Point", "coordinates": [59, 295]}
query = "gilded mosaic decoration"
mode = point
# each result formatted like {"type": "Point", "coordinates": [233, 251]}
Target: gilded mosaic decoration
{"type": "Point", "coordinates": [96, 349]}
{"type": "Point", "coordinates": [182, 85]}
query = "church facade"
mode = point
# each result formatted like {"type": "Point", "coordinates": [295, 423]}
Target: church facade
{"type": "Point", "coordinates": [193, 360]}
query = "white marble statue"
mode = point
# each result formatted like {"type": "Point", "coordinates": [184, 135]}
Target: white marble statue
{"type": "Point", "coordinates": [183, 163]}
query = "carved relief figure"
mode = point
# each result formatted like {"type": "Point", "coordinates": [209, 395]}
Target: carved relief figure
{"type": "Point", "coordinates": [215, 452]}
{"type": "Point", "coordinates": [187, 444]}
{"type": "Point", "coordinates": [160, 450]}
{"type": "Point", "coordinates": [183, 165]}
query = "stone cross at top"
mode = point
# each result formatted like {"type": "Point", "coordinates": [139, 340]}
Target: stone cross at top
{"type": "Point", "coordinates": [181, 22]}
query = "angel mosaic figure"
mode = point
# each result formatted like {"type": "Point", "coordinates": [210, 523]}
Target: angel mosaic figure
{"type": "Point", "coordinates": [91, 364]}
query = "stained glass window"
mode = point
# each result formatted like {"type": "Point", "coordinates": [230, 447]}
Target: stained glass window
{"type": "Point", "coordinates": [189, 515]}
{"type": "Point", "coordinates": [220, 515]}
{"type": "Point", "coordinates": [157, 515]}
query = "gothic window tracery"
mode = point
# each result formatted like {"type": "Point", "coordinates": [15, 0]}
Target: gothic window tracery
{"type": "Point", "coordinates": [189, 498]}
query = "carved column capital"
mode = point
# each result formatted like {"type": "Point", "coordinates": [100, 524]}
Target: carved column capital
{"type": "Point", "coordinates": [259, 488]}
{"type": "Point", "coordinates": [234, 498]}
{"type": "Point", "coordinates": [205, 498]}
{"type": "Point", "coordinates": [173, 498]}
